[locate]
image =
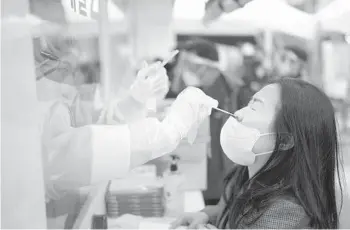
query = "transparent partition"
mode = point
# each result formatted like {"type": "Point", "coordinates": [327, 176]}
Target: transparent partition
{"type": "Point", "coordinates": [80, 65]}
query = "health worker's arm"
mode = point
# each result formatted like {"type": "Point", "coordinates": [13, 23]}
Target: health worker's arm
{"type": "Point", "coordinates": [89, 154]}
{"type": "Point", "coordinates": [151, 138]}
{"type": "Point", "coordinates": [151, 83]}
{"type": "Point", "coordinates": [96, 153]}
{"type": "Point", "coordinates": [78, 157]}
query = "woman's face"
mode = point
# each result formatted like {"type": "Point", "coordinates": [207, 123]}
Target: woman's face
{"type": "Point", "coordinates": [260, 113]}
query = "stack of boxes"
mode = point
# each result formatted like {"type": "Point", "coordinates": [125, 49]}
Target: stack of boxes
{"type": "Point", "coordinates": [141, 194]}
{"type": "Point", "coordinates": [148, 203]}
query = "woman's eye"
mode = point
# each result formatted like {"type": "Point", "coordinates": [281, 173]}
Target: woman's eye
{"type": "Point", "coordinates": [252, 106]}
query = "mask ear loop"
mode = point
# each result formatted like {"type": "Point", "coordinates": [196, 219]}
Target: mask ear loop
{"type": "Point", "coordinates": [291, 144]}
{"type": "Point", "coordinates": [263, 153]}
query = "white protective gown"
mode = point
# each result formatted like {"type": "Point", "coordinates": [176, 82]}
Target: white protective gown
{"type": "Point", "coordinates": [77, 157]}
{"type": "Point", "coordinates": [75, 153]}
{"type": "Point", "coordinates": [81, 156]}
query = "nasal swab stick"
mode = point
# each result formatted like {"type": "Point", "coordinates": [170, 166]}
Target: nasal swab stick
{"type": "Point", "coordinates": [223, 111]}
{"type": "Point", "coordinates": [169, 58]}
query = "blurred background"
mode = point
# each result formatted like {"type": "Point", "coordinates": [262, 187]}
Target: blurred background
{"type": "Point", "coordinates": [228, 48]}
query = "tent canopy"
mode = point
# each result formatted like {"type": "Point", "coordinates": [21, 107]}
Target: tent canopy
{"type": "Point", "coordinates": [335, 16]}
{"type": "Point", "coordinates": [276, 15]}
{"type": "Point", "coordinates": [279, 16]}
{"type": "Point", "coordinates": [188, 19]}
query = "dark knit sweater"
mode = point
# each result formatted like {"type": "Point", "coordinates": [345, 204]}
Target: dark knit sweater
{"type": "Point", "coordinates": [281, 214]}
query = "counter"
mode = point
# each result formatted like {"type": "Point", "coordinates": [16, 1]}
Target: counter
{"type": "Point", "coordinates": [193, 163]}
{"type": "Point", "coordinates": [95, 205]}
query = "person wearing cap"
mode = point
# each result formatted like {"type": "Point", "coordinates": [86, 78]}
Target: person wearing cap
{"type": "Point", "coordinates": [290, 62]}
{"type": "Point", "coordinates": [253, 82]}
{"type": "Point", "coordinates": [198, 64]}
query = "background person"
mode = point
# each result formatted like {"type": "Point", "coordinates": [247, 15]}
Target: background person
{"type": "Point", "coordinates": [290, 62]}
{"type": "Point", "coordinates": [198, 65]}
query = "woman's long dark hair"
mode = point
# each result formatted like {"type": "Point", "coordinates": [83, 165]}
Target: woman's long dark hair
{"type": "Point", "coordinates": [306, 172]}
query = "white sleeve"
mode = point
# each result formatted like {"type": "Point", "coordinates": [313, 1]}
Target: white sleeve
{"type": "Point", "coordinates": [96, 153]}
{"type": "Point", "coordinates": [111, 152]}
{"type": "Point", "coordinates": [150, 139]}
{"type": "Point", "coordinates": [90, 154]}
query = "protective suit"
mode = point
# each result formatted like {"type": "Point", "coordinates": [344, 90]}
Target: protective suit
{"type": "Point", "coordinates": [86, 141]}
{"type": "Point", "coordinates": [78, 155]}
{"type": "Point", "coordinates": [90, 154]}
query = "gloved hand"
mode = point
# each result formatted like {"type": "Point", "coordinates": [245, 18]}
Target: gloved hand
{"type": "Point", "coordinates": [191, 220]}
{"type": "Point", "coordinates": [52, 193]}
{"type": "Point", "coordinates": [189, 109]}
{"type": "Point", "coordinates": [151, 82]}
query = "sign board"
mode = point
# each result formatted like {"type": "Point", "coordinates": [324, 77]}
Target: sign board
{"type": "Point", "coordinates": [82, 10]}
{"type": "Point", "coordinates": [86, 8]}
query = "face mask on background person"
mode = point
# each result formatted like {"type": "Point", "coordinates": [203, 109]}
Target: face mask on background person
{"type": "Point", "coordinates": [238, 140]}
{"type": "Point", "coordinates": [199, 71]}
{"type": "Point", "coordinates": [191, 79]}
{"type": "Point", "coordinates": [84, 105]}
{"type": "Point", "coordinates": [48, 89]}
{"type": "Point", "coordinates": [68, 92]}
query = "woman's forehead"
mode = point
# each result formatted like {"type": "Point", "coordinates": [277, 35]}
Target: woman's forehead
{"type": "Point", "coordinates": [270, 94]}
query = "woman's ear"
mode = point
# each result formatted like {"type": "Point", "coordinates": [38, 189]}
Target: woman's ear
{"type": "Point", "coordinates": [287, 143]}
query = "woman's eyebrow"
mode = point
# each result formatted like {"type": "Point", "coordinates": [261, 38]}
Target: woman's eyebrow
{"type": "Point", "coordinates": [257, 99]}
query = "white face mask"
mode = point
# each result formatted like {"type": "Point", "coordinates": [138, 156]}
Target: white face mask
{"type": "Point", "coordinates": [51, 90]}
{"type": "Point", "coordinates": [237, 142]}
{"type": "Point", "coordinates": [191, 79]}
{"type": "Point", "coordinates": [68, 91]}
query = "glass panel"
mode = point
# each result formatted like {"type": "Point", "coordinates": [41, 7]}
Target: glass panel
{"type": "Point", "coordinates": [70, 95]}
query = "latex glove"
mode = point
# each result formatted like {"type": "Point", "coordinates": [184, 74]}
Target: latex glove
{"type": "Point", "coordinates": [189, 109]}
{"type": "Point", "coordinates": [150, 138]}
{"type": "Point", "coordinates": [52, 193]}
{"type": "Point", "coordinates": [151, 82]}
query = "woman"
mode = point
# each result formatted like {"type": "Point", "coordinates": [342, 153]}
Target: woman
{"type": "Point", "coordinates": [286, 149]}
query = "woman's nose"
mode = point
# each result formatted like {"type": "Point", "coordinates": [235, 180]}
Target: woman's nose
{"type": "Point", "coordinates": [238, 115]}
